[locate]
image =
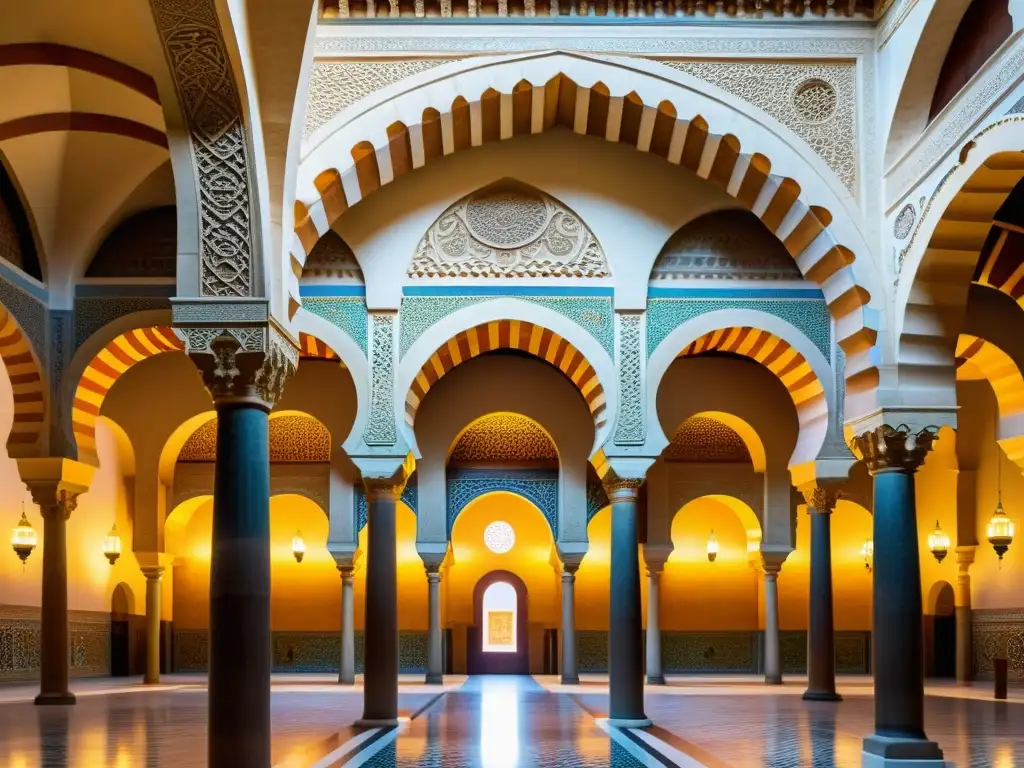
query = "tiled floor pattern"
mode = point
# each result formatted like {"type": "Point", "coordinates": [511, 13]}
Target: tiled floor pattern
{"type": "Point", "coordinates": [502, 722]}
{"type": "Point", "coordinates": [167, 729]}
{"type": "Point", "coordinates": [783, 731]}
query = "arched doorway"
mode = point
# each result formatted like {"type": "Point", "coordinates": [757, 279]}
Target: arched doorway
{"type": "Point", "coordinates": [121, 603]}
{"type": "Point", "coordinates": [499, 640]}
{"type": "Point", "coordinates": [940, 628]}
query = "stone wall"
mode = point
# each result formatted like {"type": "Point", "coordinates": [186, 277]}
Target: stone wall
{"type": "Point", "coordinates": [89, 633]}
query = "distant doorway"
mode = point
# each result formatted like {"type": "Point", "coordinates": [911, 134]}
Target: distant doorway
{"type": "Point", "coordinates": [499, 638]}
{"type": "Point", "coordinates": [942, 621]}
{"type": "Point", "coordinates": [120, 631]}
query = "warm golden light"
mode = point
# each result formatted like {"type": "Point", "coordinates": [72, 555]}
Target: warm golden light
{"type": "Point", "coordinates": [868, 553]}
{"type": "Point", "coordinates": [712, 547]}
{"type": "Point", "coordinates": [938, 542]}
{"type": "Point", "coordinates": [24, 537]}
{"type": "Point", "coordinates": [1000, 531]}
{"type": "Point", "coordinates": [112, 545]}
{"type": "Point", "coordinates": [298, 546]}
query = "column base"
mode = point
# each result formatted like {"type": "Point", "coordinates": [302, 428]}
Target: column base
{"type": "Point", "coordinates": [343, 681]}
{"type": "Point", "coordinates": [55, 699]}
{"type": "Point", "coordinates": [655, 679]}
{"type": "Point", "coordinates": [908, 753]}
{"type": "Point", "coordinates": [810, 695]}
{"type": "Point", "coordinates": [574, 680]}
{"type": "Point", "coordinates": [150, 681]}
{"type": "Point", "coordinates": [618, 722]}
{"type": "Point", "coordinates": [364, 723]}
{"type": "Point", "coordinates": [434, 679]}
{"type": "Point", "coordinates": [773, 679]}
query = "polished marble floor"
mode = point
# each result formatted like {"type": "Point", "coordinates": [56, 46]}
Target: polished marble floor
{"type": "Point", "coordinates": [499, 722]}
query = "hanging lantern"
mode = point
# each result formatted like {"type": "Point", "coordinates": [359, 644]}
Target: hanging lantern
{"type": "Point", "coordinates": [298, 546]}
{"type": "Point", "coordinates": [712, 547]}
{"type": "Point", "coordinates": [1000, 530]}
{"type": "Point", "coordinates": [868, 553]}
{"type": "Point", "coordinates": [24, 537]}
{"type": "Point", "coordinates": [938, 542]}
{"type": "Point", "coordinates": [112, 545]}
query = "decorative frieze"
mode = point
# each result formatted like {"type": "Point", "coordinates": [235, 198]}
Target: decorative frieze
{"type": "Point", "coordinates": [631, 424]}
{"type": "Point", "coordinates": [380, 427]}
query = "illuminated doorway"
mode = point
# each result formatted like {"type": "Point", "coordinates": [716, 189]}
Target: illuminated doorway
{"type": "Point", "coordinates": [499, 640]}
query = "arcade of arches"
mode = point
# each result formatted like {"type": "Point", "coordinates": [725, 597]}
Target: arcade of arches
{"type": "Point", "coordinates": [406, 357]}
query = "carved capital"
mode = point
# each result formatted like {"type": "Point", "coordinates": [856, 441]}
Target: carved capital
{"type": "Point", "coordinates": [620, 489]}
{"type": "Point", "coordinates": [821, 499]}
{"type": "Point", "coordinates": [248, 364]}
{"type": "Point", "coordinates": [54, 500]}
{"type": "Point", "coordinates": [569, 572]}
{"type": "Point", "coordinates": [433, 572]}
{"type": "Point", "coordinates": [153, 573]}
{"type": "Point", "coordinates": [895, 449]}
{"type": "Point", "coordinates": [384, 487]}
{"type": "Point", "coordinates": [347, 572]}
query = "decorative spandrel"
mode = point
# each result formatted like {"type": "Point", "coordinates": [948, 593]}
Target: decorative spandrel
{"type": "Point", "coordinates": [508, 230]}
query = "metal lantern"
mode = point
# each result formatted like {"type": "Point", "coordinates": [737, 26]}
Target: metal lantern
{"type": "Point", "coordinates": [938, 542]}
{"type": "Point", "coordinates": [112, 545]}
{"type": "Point", "coordinates": [24, 538]}
{"type": "Point", "coordinates": [712, 547]}
{"type": "Point", "coordinates": [868, 552]}
{"type": "Point", "coordinates": [1000, 530]}
{"type": "Point", "coordinates": [298, 546]}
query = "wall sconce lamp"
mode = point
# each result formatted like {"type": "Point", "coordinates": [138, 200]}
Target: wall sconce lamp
{"type": "Point", "coordinates": [24, 537]}
{"type": "Point", "coordinates": [938, 542]}
{"type": "Point", "coordinates": [112, 545]}
{"type": "Point", "coordinates": [298, 546]}
{"type": "Point", "coordinates": [1000, 531]}
{"type": "Point", "coordinates": [712, 547]}
{"type": "Point", "coordinates": [868, 552]}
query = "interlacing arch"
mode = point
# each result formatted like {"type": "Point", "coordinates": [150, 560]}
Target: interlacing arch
{"type": "Point", "coordinates": [105, 369]}
{"type": "Point", "coordinates": [627, 101]}
{"type": "Point", "coordinates": [509, 334]}
{"type": "Point", "coordinates": [25, 375]}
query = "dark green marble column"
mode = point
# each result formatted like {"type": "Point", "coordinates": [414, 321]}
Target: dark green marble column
{"type": "Point", "coordinates": [821, 636]}
{"type": "Point", "coordinates": [893, 456]}
{"type": "Point", "coordinates": [240, 656]}
{"type": "Point", "coordinates": [380, 676]}
{"type": "Point", "coordinates": [625, 636]}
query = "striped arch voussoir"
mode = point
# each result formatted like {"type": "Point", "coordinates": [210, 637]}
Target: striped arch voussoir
{"type": "Point", "coordinates": [312, 348]}
{"type": "Point", "coordinates": [106, 368]}
{"type": "Point", "coordinates": [775, 354]}
{"type": "Point", "coordinates": [590, 108]}
{"type": "Point", "coordinates": [25, 375]}
{"type": "Point", "coordinates": [510, 334]}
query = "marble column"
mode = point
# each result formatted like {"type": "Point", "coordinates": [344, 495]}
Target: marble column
{"type": "Point", "coordinates": [569, 674]}
{"type": "Point", "coordinates": [625, 649]}
{"type": "Point", "coordinates": [347, 667]}
{"type": "Point", "coordinates": [772, 661]}
{"type": "Point", "coordinates": [892, 456]}
{"type": "Point", "coordinates": [56, 505]}
{"type": "Point", "coordinates": [964, 651]}
{"type": "Point", "coordinates": [154, 585]}
{"type": "Point", "coordinates": [821, 640]}
{"type": "Point", "coordinates": [380, 628]}
{"type": "Point", "coordinates": [654, 672]}
{"type": "Point", "coordinates": [435, 657]}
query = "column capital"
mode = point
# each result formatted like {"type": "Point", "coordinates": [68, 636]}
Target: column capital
{"type": "Point", "coordinates": [569, 572]}
{"type": "Point", "coordinates": [821, 498]}
{"type": "Point", "coordinates": [965, 557]}
{"type": "Point", "coordinates": [242, 355]}
{"type": "Point", "coordinates": [385, 476]}
{"type": "Point", "coordinates": [153, 573]}
{"type": "Point", "coordinates": [772, 560]}
{"type": "Point", "coordinates": [895, 449]}
{"type": "Point", "coordinates": [56, 483]}
{"type": "Point", "coordinates": [621, 489]}
{"type": "Point", "coordinates": [346, 571]}
{"type": "Point", "coordinates": [655, 557]}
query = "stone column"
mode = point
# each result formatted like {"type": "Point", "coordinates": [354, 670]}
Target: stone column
{"type": "Point", "coordinates": [380, 627]}
{"type": "Point", "coordinates": [569, 674]}
{"type": "Point", "coordinates": [654, 672]}
{"type": "Point", "coordinates": [964, 653]}
{"type": "Point", "coordinates": [821, 640]}
{"type": "Point", "coordinates": [892, 456]}
{"type": "Point", "coordinates": [435, 657]}
{"type": "Point", "coordinates": [347, 667]}
{"type": "Point", "coordinates": [56, 500]}
{"type": "Point", "coordinates": [154, 584]}
{"type": "Point", "coordinates": [245, 370]}
{"type": "Point", "coordinates": [625, 651]}
{"type": "Point", "coordinates": [772, 662]}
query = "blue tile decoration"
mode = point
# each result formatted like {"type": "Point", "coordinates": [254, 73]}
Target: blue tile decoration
{"type": "Point", "coordinates": [597, 498]}
{"type": "Point", "coordinates": [345, 312]}
{"type": "Point", "coordinates": [592, 313]}
{"type": "Point", "coordinates": [809, 316]}
{"type": "Point", "coordinates": [539, 486]}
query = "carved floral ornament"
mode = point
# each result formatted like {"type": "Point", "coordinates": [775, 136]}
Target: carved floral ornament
{"type": "Point", "coordinates": [508, 230]}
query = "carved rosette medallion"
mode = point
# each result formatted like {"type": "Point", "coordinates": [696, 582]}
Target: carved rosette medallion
{"type": "Point", "coordinates": [508, 230]}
